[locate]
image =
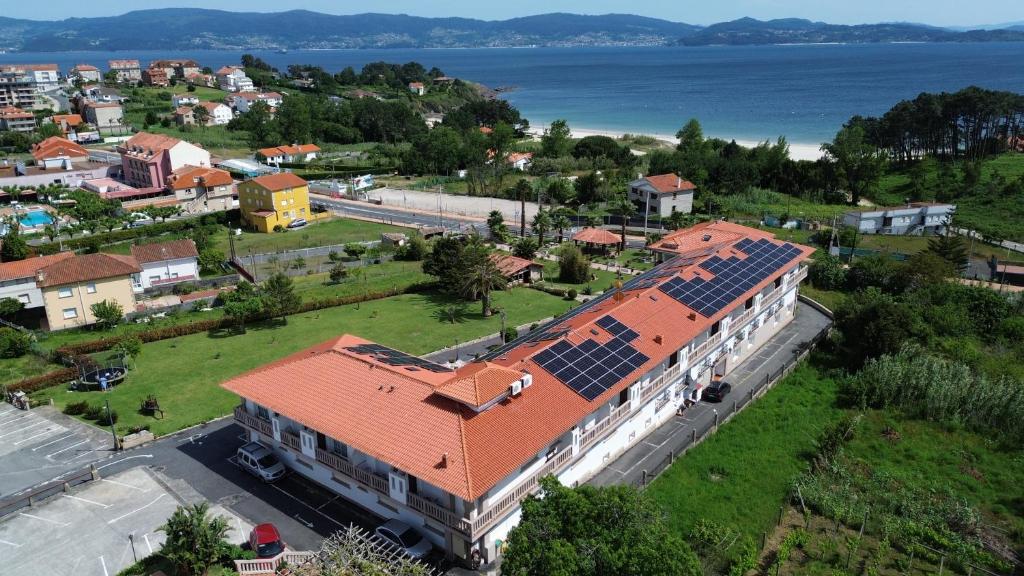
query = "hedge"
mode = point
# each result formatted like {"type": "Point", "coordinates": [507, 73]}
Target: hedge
{"type": "Point", "coordinates": [155, 334]}
{"type": "Point", "coordinates": [150, 231]}
{"type": "Point", "coordinates": [45, 381]}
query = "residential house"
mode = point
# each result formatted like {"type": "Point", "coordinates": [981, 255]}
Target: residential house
{"type": "Point", "coordinates": [166, 263]}
{"type": "Point", "coordinates": [147, 160]}
{"type": "Point", "coordinates": [208, 80]}
{"type": "Point", "coordinates": [67, 122]}
{"type": "Point", "coordinates": [233, 79]}
{"type": "Point", "coordinates": [16, 120]}
{"type": "Point", "coordinates": [155, 77]}
{"type": "Point", "coordinates": [454, 452]}
{"type": "Point", "coordinates": [43, 77]}
{"type": "Point", "coordinates": [176, 68]}
{"type": "Point", "coordinates": [393, 239]}
{"type": "Point", "coordinates": [915, 218]}
{"type": "Point", "coordinates": [58, 153]}
{"type": "Point", "coordinates": [517, 270]}
{"type": "Point", "coordinates": [417, 88]}
{"type": "Point", "coordinates": [17, 88]}
{"type": "Point", "coordinates": [662, 195]}
{"type": "Point", "coordinates": [186, 99]}
{"type": "Point", "coordinates": [288, 154]}
{"type": "Point", "coordinates": [520, 160]}
{"type": "Point", "coordinates": [86, 73]}
{"type": "Point", "coordinates": [71, 286]}
{"type": "Point", "coordinates": [102, 114]}
{"type": "Point", "coordinates": [18, 278]}
{"type": "Point", "coordinates": [218, 114]}
{"type": "Point", "coordinates": [273, 200]}
{"type": "Point", "coordinates": [126, 70]}
{"type": "Point", "coordinates": [200, 189]}
{"type": "Point", "coordinates": [103, 94]}
{"type": "Point", "coordinates": [244, 100]}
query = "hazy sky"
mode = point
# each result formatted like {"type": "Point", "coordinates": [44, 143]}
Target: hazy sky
{"type": "Point", "coordinates": [937, 12]}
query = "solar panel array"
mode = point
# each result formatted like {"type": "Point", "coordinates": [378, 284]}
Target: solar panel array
{"type": "Point", "coordinates": [733, 276]}
{"type": "Point", "coordinates": [591, 368]}
{"type": "Point", "coordinates": [393, 357]}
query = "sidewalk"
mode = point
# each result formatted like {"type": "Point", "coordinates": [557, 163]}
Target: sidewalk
{"type": "Point", "coordinates": [639, 463]}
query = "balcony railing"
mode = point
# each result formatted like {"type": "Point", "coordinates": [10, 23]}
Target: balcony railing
{"type": "Point", "coordinates": [495, 512]}
{"type": "Point", "coordinates": [258, 424]}
{"type": "Point", "coordinates": [343, 465]}
{"type": "Point", "coordinates": [291, 440]}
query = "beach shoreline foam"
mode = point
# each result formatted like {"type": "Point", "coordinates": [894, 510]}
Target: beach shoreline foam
{"type": "Point", "coordinates": [797, 150]}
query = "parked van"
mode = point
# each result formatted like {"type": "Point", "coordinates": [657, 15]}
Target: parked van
{"type": "Point", "coordinates": [258, 460]}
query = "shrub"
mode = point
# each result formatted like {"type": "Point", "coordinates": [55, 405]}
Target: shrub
{"type": "Point", "coordinates": [94, 412]}
{"type": "Point", "coordinates": [14, 343]}
{"type": "Point", "coordinates": [571, 294]}
{"type": "Point", "coordinates": [76, 408]}
{"type": "Point", "coordinates": [511, 333]}
{"type": "Point", "coordinates": [107, 418]}
{"type": "Point", "coordinates": [573, 268]}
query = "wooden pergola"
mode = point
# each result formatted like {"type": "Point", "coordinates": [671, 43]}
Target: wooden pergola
{"type": "Point", "coordinates": [597, 240]}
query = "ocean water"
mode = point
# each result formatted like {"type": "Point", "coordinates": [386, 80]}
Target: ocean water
{"type": "Point", "coordinates": [804, 92]}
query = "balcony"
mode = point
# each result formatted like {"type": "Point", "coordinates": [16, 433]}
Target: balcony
{"type": "Point", "coordinates": [258, 424]}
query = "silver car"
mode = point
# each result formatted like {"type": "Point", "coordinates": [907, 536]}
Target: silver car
{"type": "Point", "coordinates": [258, 460]}
{"type": "Point", "coordinates": [402, 536]}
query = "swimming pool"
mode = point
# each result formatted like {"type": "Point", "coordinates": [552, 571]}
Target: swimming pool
{"type": "Point", "coordinates": [36, 218]}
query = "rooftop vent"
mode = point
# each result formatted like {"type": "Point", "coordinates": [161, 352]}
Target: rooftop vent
{"type": "Point", "coordinates": [657, 339]}
{"type": "Point", "coordinates": [706, 238]}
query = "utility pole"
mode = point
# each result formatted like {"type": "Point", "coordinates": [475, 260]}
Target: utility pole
{"type": "Point", "coordinates": [502, 314]}
{"type": "Point", "coordinates": [647, 211]}
{"type": "Point", "coordinates": [111, 421]}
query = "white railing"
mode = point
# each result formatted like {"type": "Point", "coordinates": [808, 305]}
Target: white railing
{"type": "Point", "coordinates": [495, 512]}
{"type": "Point", "coordinates": [270, 565]}
{"type": "Point", "coordinates": [254, 422]}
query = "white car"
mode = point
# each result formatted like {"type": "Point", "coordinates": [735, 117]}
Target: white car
{"type": "Point", "coordinates": [403, 536]}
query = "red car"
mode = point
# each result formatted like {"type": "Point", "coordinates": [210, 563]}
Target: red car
{"type": "Point", "coordinates": [266, 541]}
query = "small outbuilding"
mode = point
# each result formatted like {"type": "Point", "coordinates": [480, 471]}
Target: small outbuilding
{"type": "Point", "coordinates": [597, 239]}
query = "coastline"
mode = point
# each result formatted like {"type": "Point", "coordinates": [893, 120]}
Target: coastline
{"type": "Point", "coordinates": [797, 150]}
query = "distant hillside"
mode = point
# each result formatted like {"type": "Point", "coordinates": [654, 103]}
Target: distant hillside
{"type": "Point", "coordinates": [748, 31]}
{"type": "Point", "coordinates": [185, 28]}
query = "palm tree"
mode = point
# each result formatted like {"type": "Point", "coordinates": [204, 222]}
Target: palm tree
{"type": "Point", "coordinates": [541, 224]}
{"type": "Point", "coordinates": [523, 190]}
{"type": "Point", "coordinates": [195, 540]}
{"type": "Point", "coordinates": [481, 277]}
{"type": "Point", "coordinates": [560, 222]}
{"type": "Point", "coordinates": [624, 208]}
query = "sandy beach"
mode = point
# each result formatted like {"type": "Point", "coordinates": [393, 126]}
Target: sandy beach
{"type": "Point", "coordinates": [797, 151]}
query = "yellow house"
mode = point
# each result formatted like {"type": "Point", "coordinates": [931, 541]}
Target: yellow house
{"type": "Point", "coordinates": [70, 287]}
{"type": "Point", "coordinates": [273, 200]}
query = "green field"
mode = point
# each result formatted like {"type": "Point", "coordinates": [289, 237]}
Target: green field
{"type": "Point", "coordinates": [603, 279]}
{"type": "Point", "coordinates": [217, 139]}
{"type": "Point", "coordinates": [15, 369]}
{"type": "Point", "coordinates": [184, 372]}
{"type": "Point", "coordinates": [374, 278]}
{"type": "Point", "coordinates": [333, 231]}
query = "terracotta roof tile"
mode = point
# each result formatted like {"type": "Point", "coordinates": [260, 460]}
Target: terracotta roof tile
{"type": "Point", "coordinates": [667, 183]}
{"type": "Point", "coordinates": [55, 146]}
{"type": "Point", "coordinates": [27, 268]}
{"type": "Point", "coordinates": [479, 383]}
{"type": "Point", "coordinates": [191, 176]}
{"type": "Point", "coordinates": [160, 251]}
{"type": "Point", "coordinates": [279, 181]}
{"type": "Point", "coordinates": [510, 265]}
{"type": "Point", "coordinates": [88, 267]}
{"type": "Point", "coordinates": [597, 236]}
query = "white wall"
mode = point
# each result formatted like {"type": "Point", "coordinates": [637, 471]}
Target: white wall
{"type": "Point", "coordinates": [21, 288]}
{"type": "Point", "coordinates": [183, 154]}
{"type": "Point", "coordinates": [169, 269]}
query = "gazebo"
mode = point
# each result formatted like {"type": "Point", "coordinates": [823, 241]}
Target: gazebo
{"type": "Point", "coordinates": [597, 239]}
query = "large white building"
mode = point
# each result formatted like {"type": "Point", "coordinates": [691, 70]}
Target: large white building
{"type": "Point", "coordinates": [915, 218]}
{"type": "Point", "coordinates": [454, 452]}
{"type": "Point", "coordinates": [233, 79]}
{"type": "Point", "coordinates": [662, 195]}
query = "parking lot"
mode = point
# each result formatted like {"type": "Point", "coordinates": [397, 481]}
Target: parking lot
{"type": "Point", "coordinates": [85, 532]}
{"type": "Point", "coordinates": [39, 445]}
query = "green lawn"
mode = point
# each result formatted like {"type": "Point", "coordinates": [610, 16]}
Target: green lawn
{"type": "Point", "coordinates": [603, 278]}
{"type": "Point", "coordinates": [758, 203]}
{"type": "Point", "coordinates": [333, 231]}
{"type": "Point", "coordinates": [635, 258]}
{"type": "Point", "coordinates": [377, 278]}
{"type": "Point", "coordinates": [16, 369]}
{"type": "Point", "coordinates": [184, 373]}
{"type": "Point", "coordinates": [741, 475]}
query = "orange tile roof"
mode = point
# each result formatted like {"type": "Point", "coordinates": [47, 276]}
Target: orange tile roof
{"type": "Point", "coordinates": [667, 183]}
{"type": "Point", "coordinates": [510, 265]}
{"type": "Point", "coordinates": [27, 268]}
{"type": "Point", "coordinates": [151, 142]}
{"type": "Point", "coordinates": [517, 156]}
{"type": "Point", "coordinates": [14, 112]}
{"type": "Point", "coordinates": [160, 251]}
{"type": "Point", "coordinates": [69, 119]}
{"type": "Point", "coordinates": [597, 236]}
{"type": "Point", "coordinates": [190, 176]}
{"type": "Point", "coordinates": [706, 235]}
{"type": "Point", "coordinates": [55, 146]}
{"type": "Point", "coordinates": [288, 150]}
{"type": "Point", "coordinates": [88, 267]}
{"type": "Point", "coordinates": [85, 68]}
{"type": "Point", "coordinates": [279, 181]}
{"type": "Point", "coordinates": [410, 419]}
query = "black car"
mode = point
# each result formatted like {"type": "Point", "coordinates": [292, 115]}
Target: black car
{"type": "Point", "coordinates": [716, 391]}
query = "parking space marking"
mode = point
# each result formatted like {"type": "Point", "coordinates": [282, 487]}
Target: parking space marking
{"type": "Point", "coordinates": [329, 501]}
{"type": "Point", "coordinates": [300, 501]}
{"type": "Point", "coordinates": [43, 433]}
{"type": "Point", "coordinates": [123, 516]}
{"type": "Point", "coordinates": [122, 484]}
{"type": "Point", "coordinates": [10, 543]}
{"type": "Point", "coordinates": [54, 441]}
{"type": "Point", "coordinates": [104, 564]}
{"type": "Point", "coordinates": [123, 459]}
{"type": "Point", "coordinates": [87, 501]}
{"type": "Point", "coordinates": [68, 448]}
{"type": "Point", "coordinates": [148, 545]}
{"type": "Point", "coordinates": [23, 428]}
{"type": "Point", "coordinates": [7, 419]}
{"type": "Point", "coordinates": [47, 520]}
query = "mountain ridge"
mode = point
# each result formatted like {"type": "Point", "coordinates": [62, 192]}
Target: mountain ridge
{"type": "Point", "coordinates": [200, 28]}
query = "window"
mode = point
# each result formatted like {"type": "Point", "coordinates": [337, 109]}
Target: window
{"type": "Point", "coordinates": [64, 293]}
{"type": "Point", "coordinates": [90, 288]}
{"type": "Point", "coordinates": [262, 412]}
{"type": "Point", "coordinates": [154, 278]}
{"type": "Point", "coordinates": [24, 298]}
{"type": "Point", "coordinates": [70, 313]}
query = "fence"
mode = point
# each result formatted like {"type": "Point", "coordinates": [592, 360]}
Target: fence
{"type": "Point", "coordinates": [12, 504]}
{"type": "Point", "coordinates": [726, 411]}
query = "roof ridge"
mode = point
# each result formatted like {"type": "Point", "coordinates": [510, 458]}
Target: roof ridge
{"type": "Point", "coordinates": [465, 450]}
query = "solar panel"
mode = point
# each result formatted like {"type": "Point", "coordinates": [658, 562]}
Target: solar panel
{"type": "Point", "coordinates": [591, 368]}
{"type": "Point", "coordinates": [733, 276]}
{"type": "Point", "coordinates": [394, 357]}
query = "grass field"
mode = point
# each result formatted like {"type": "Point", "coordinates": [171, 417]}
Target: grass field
{"type": "Point", "coordinates": [184, 373]}
{"type": "Point", "coordinates": [374, 278]}
{"type": "Point", "coordinates": [333, 231]}
{"type": "Point", "coordinates": [217, 139]}
{"type": "Point", "coordinates": [740, 475]}
{"type": "Point", "coordinates": [15, 369]}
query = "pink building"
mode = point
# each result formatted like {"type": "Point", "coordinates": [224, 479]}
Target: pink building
{"type": "Point", "coordinates": [147, 160]}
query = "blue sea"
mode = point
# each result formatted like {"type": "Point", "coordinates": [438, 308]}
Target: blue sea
{"type": "Point", "coordinates": [803, 92]}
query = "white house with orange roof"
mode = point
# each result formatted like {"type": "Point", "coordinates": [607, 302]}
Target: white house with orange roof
{"type": "Point", "coordinates": [85, 73]}
{"type": "Point", "coordinates": [233, 79]}
{"type": "Point", "coordinates": [663, 194]}
{"type": "Point", "coordinates": [453, 452]}
{"type": "Point", "coordinates": [242, 101]}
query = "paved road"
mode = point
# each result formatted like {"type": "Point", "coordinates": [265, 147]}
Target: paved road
{"type": "Point", "coordinates": [652, 452]}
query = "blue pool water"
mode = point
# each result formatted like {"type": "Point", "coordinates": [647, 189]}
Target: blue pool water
{"type": "Point", "coordinates": [36, 218]}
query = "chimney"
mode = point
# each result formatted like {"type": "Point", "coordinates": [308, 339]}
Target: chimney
{"type": "Point", "coordinates": [444, 460]}
{"type": "Point", "coordinates": [657, 339]}
{"type": "Point", "coordinates": [692, 316]}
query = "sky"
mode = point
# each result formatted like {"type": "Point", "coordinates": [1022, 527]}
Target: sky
{"type": "Point", "coordinates": [935, 12]}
